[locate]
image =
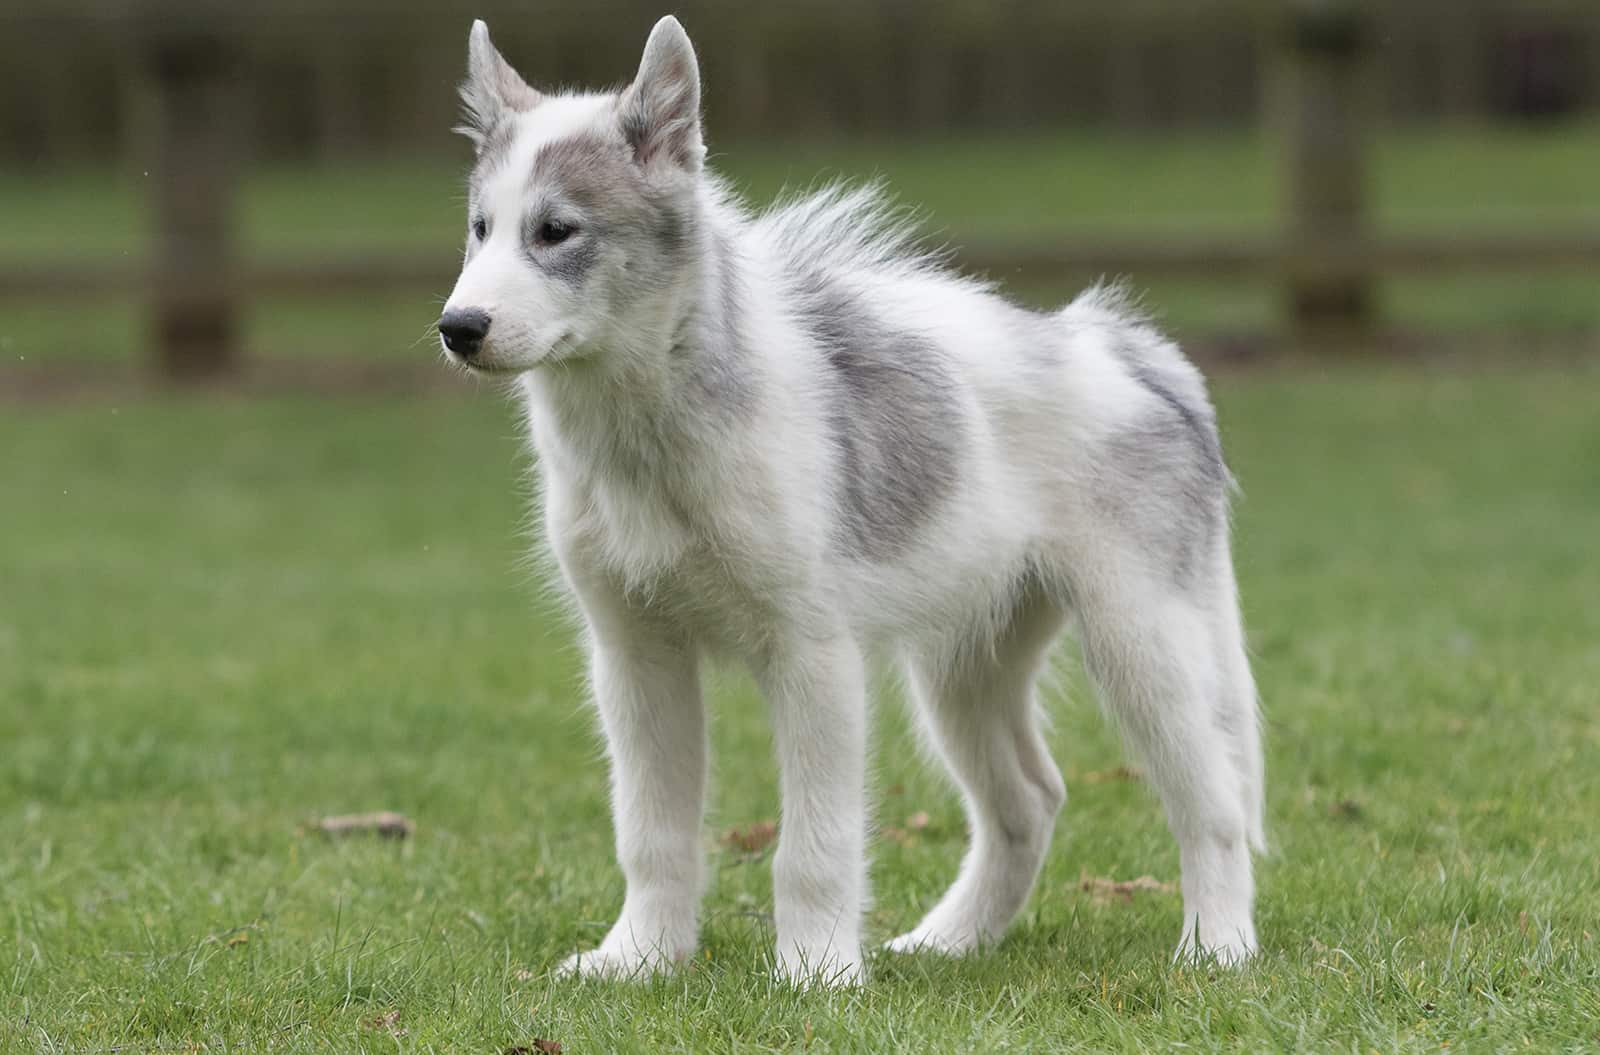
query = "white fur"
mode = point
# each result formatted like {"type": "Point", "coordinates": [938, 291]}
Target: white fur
{"type": "Point", "coordinates": [688, 528]}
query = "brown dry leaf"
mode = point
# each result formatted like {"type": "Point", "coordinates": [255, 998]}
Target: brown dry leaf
{"type": "Point", "coordinates": [898, 835]}
{"type": "Point", "coordinates": [917, 821]}
{"type": "Point", "coordinates": [386, 823]}
{"type": "Point", "coordinates": [1107, 776]}
{"type": "Point", "coordinates": [1103, 891]}
{"type": "Point", "coordinates": [388, 1020]}
{"type": "Point", "coordinates": [751, 838]}
{"type": "Point", "coordinates": [538, 1047]}
{"type": "Point", "coordinates": [1345, 810]}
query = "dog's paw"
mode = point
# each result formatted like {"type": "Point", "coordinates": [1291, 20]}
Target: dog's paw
{"type": "Point", "coordinates": [636, 947]}
{"type": "Point", "coordinates": [828, 970]}
{"type": "Point", "coordinates": [953, 928]}
{"type": "Point", "coordinates": [1226, 947]}
{"type": "Point", "coordinates": [932, 939]}
{"type": "Point", "coordinates": [613, 964]}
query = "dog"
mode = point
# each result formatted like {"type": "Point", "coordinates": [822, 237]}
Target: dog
{"type": "Point", "coordinates": [796, 440]}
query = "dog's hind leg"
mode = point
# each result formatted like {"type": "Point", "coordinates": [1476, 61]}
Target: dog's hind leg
{"type": "Point", "coordinates": [1154, 652]}
{"type": "Point", "coordinates": [980, 710]}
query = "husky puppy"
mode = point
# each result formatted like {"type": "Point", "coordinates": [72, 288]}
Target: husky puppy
{"type": "Point", "coordinates": [794, 440]}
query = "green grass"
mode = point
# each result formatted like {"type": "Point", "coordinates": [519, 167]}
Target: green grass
{"type": "Point", "coordinates": [1072, 185]}
{"type": "Point", "coordinates": [220, 619]}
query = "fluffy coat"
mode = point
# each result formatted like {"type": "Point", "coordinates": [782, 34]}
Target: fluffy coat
{"type": "Point", "coordinates": [795, 441]}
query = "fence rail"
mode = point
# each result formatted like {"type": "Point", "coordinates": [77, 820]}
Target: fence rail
{"type": "Point", "coordinates": [1255, 257]}
{"type": "Point", "coordinates": [1325, 255]}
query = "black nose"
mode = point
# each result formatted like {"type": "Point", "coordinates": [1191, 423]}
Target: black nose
{"type": "Point", "coordinates": [463, 330]}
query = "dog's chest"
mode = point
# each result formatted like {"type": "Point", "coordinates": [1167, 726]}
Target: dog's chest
{"type": "Point", "coordinates": [674, 516]}
{"type": "Point", "coordinates": [673, 545]}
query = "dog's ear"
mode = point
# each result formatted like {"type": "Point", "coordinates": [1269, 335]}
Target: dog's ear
{"type": "Point", "coordinates": [492, 89]}
{"type": "Point", "coordinates": [660, 110]}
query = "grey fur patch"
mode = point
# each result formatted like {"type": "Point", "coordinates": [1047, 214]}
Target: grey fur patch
{"type": "Point", "coordinates": [571, 260]}
{"type": "Point", "coordinates": [1167, 490]}
{"type": "Point", "coordinates": [896, 421]}
{"type": "Point", "coordinates": [1160, 369]}
{"type": "Point", "coordinates": [669, 229]}
{"type": "Point", "coordinates": [493, 151]}
{"type": "Point", "coordinates": [717, 367]}
{"type": "Point", "coordinates": [588, 167]}
{"type": "Point", "coordinates": [634, 127]}
{"type": "Point", "coordinates": [1166, 483]}
{"type": "Point", "coordinates": [612, 202]}
{"type": "Point", "coordinates": [1200, 423]}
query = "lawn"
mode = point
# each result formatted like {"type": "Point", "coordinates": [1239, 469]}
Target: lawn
{"type": "Point", "coordinates": [1080, 185]}
{"type": "Point", "coordinates": [221, 619]}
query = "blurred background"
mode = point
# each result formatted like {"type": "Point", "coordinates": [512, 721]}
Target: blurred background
{"type": "Point", "coordinates": [195, 188]}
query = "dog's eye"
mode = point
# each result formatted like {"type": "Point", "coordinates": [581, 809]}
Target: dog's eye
{"type": "Point", "coordinates": [552, 232]}
{"type": "Point", "coordinates": [480, 228]}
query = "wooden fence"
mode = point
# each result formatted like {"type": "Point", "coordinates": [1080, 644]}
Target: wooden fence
{"type": "Point", "coordinates": [336, 78]}
{"type": "Point", "coordinates": [1325, 256]}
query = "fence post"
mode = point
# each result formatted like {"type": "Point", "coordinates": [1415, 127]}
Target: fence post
{"type": "Point", "coordinates": [1328, 266]}
{"type": "Point", "coordinates": [194, 314]}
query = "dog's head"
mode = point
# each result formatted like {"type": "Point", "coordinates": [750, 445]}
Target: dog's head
{"type": "Point", "coordinates": [581, 210]}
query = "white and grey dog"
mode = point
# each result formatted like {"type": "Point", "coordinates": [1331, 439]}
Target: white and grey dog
{"type": "Point", "coordinates": [794, 440]}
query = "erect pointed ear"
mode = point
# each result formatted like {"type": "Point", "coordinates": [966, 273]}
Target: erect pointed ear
{"type": "Point", "coordinates": [492, 89]}
{"type": "Point", "coordinates": [660, 110]}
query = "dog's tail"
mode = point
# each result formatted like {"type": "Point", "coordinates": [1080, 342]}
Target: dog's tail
{"type": "Point", "coordinates": [1115, 309]}
{"type": "Point", "coordinates": [1150, 358]}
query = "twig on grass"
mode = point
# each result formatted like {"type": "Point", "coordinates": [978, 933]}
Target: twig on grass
{"type": "Point", "coordinates": [385, 823]}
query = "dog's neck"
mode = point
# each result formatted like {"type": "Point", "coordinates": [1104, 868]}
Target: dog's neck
{"type": "Point", "coordinates": [663, 396]}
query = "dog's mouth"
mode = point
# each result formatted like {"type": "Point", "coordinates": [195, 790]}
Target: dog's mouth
{"type": "Point", "coordinates": [480, 366]}
{"type": "Point", "coordinates": [486, 364]}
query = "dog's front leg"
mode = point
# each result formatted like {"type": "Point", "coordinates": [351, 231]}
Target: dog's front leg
{"type": "Point", "coordinates": [647, 689]}
{"type": "Point", "coordinates": [818, 698]}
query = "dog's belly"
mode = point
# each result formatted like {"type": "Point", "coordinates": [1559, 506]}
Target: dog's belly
{"type": "Point", "coordinates": [706, 570]}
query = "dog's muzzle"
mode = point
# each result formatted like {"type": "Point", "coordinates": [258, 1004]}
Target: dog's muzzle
{"type": "Point", "coordinates": [463, 330]}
